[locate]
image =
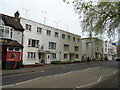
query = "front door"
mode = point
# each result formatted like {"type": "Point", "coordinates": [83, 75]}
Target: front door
{"type": "Point", "coordinates": [41, 57]}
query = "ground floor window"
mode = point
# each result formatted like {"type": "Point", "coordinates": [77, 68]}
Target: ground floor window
{"type": "Point", "coordinates": [53, 55]}
{"type": "Point", "coordinates": [65, 56]}
{"type": "Point", "coordinates": [77, 55]}
{"type": "Point", "coordinates": [31, 55]}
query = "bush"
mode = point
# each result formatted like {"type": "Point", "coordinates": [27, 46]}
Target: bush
{"type": "Point", "coordinates": [55, 62]}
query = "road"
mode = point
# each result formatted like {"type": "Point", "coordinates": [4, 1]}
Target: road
{"type": "Point", "coordinates": [92, 75]}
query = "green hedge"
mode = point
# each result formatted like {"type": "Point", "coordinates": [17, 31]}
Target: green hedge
{"type": "Point", "coordinates": [55, 62]}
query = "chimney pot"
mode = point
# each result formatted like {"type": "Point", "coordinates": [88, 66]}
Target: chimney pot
{"type": "Point", "coordinates": [16, 15]}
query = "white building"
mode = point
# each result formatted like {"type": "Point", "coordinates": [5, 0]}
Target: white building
{"type": "Point", "coordinates": [43, 44]}
{"type": "Point", "coordinates": [92, 48]}
{"type": "Point", "coordinates": [110, 50]}
{"type": "Point", "coordinates": [97, 49]}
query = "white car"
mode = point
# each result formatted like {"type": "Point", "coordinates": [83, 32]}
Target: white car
{"type": "Point", "coordinates": [117, 58]}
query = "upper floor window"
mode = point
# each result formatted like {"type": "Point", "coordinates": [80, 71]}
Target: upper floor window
{"type": "Point", "coordinates": [52, 45]}
{"type": "Point", "coordinates": [63, 36]}
{"type": "Point", "coordinates": [66, 47]}
{"type": "Point", "coordinates": [33, 43]}
{"type": "Point", "coordinates": [6, 32]}
{"type": "Point", "coordinates": [68, 37]}
{"type": "Point", "coordinates": [73, 38]}
{"type": "Point", "coordinates": [56, 34]}
{"type": "Point", "coordinates": [39, 30]}
{"type": "Point", "coordinates": [28, 27]}
{"type": "Point", "coordinates": [48, 32]}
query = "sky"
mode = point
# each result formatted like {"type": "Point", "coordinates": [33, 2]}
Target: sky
{"type": "Point", "coordinates": [58, 14]}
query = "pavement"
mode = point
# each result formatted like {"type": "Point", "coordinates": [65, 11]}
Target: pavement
{"type": "Point", "coordinates": [40, 68]}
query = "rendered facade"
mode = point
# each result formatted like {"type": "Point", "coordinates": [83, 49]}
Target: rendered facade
{"type": "Point", "coordinates": [97, 49]}
{"type": "Point", "coordinates": [44, 44]}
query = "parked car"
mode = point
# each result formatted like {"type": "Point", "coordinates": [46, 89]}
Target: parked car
{"type": "Point", "coordinates": [117, 58]}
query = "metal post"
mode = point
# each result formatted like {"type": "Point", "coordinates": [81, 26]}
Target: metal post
{"type": "Point", "coordinates": [44, 16]}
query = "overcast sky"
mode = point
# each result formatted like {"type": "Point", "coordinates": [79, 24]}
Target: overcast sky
{"type": "Point", "coordinates": [57, 12]}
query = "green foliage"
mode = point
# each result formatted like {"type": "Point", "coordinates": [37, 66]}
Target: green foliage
{"type": "Point", "coordinates": [98, 18]}
{"type": "Point", "coordinates": [55, 62]}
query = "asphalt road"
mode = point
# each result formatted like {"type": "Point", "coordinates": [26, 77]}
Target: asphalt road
{"type": "Point", "coordinates": [92, 75]}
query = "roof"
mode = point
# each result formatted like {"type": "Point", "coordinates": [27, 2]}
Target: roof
{"type": "Point", "coordinates": [11, 21]}
{"type": "Point", "coordinates": [9, 42]}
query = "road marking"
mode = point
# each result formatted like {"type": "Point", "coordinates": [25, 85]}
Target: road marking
{"type": "Point", "coordinates": [86, 85]}
{"type": "Point", "coordinates": [46, 76]}
{"type": "Point", "coordinates": [23, 73]}
{"type": "Point", "coordinates": [42, 71]}
{"type": "Point", "coordinates": [43, 77]}
{"type": "Point", "coordinates": [97, 80]}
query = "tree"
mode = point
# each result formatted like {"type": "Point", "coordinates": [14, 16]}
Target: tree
{"type": "Point", "coordinates": [100, 17]}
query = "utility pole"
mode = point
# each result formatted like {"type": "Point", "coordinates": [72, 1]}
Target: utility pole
{"type": "Point", "coordinates": [26, 10]}
{"type": "Point", "coordinates": [44, 16]}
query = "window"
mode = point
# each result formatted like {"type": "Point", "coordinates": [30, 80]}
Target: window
{"type": "Point", "coordinates": [16, 49]}
{"type": "Point", "coordinates": [68, 37]}
{"type": "Point", "coordinates": [28, 27]}
{"type": "Point", "coordinates": [1, 31]}
{"type": "Point", "coordinates": [48, 32]}
{"type": "Point", "coordinates": [31, 55]}
{"type": "Point", "coordinates": [6, 32]}
{"type": "Point", "coordinates": [76, 48]}
{"type": "Point", "coordinates": [65, 56]}
{"type": "Point", "coordinates": [56, 34]}
{"type": "Point", "coordinates": [66, 47]}
{"type": "Point", "coordinates": [39, 30]}
{"type": "Point", "coordinates": [11, 49]}
{"type": "Point", "coordinates": [52, 45]}
{"type": "Point", "coordinates": [53, 55]}
{"type": "Point", "coordinates": [63, 36]}
{"type": "Point", "coordinates": [73, 38]}
{"type": "Point", "coordinates": [33, 43]}
{"type": "Point", "coordinates": [77, 55]}
{"type": "Point", "coordinates": [11, 34]}
{"type": "Point", "coordinates": [78, 40]}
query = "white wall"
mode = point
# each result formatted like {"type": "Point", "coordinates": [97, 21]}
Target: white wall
{"type": "Point", "coordinates": [44, 41]}
{"type": "Point", "coordinates": [17, 35]}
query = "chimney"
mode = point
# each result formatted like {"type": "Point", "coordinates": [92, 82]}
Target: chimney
{"type": "Point", "coordinates": [16, 15]}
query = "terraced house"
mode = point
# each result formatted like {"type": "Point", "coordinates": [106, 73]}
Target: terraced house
{"type": "Point", "coordinates": [44, 44]}
{"type": "Point", "coordinates": [11, 33]}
